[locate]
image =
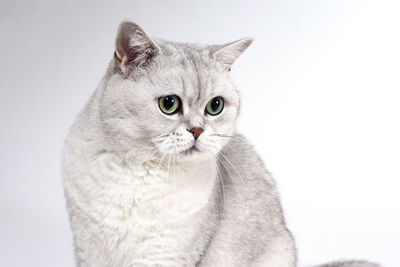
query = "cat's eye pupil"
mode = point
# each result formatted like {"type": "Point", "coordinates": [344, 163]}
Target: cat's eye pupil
{"type": "Point", "coordinates": [215, 104]}
{"type": "Point", "coordinates": [168, 102]}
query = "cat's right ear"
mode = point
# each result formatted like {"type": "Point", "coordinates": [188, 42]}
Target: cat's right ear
{"type": "Point", "coordinates": [228, 53]}
{"type": "Point", "coordinates": [133, 47]}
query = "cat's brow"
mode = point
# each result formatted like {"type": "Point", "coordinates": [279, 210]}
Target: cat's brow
{"type": "Point", "coordinates": [198, 82]}
{"type": "Point", "coordinates": [183, 85]}
{"type": "Point", "coordinates": [198, 67]}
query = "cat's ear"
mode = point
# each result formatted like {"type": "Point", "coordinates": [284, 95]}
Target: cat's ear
{"type": "Point", "coordinates": [228, 53]}
{"type": "Point", "coordinates": [133, 47]}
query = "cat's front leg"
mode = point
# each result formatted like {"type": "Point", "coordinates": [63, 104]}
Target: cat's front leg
{"type": "Point", "coordinates": [277, 252]}
{"type": "Point", "coordinates": [280, 253]}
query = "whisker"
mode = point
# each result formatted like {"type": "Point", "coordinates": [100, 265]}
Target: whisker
{"type": "Point", "coordinates": [162, 134]}
{"type": "Point", "coordinates": [220, 185]}
{"type": "Point", "coordinates": [223, 135]}
{"type": "Point", "coordinates": [222, 192]}
{"type": "Point", "coordinates": [154, 150]}
{"type": "Point", "coordinates": [240, 177]}
{"type": "Point", "coordinates": [229, 173]}
{"type": "Point", "coordinates": [158, 167]}
{"type": "Point", "coordinates": [169, 161]}
{"type": "Point", "coordinates": [174, 180]}
{"type": "Point", "coordinates": [246, 205]}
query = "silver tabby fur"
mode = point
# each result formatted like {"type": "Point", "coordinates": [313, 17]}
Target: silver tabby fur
{"type": "Point", "coordinates": [141, 191]}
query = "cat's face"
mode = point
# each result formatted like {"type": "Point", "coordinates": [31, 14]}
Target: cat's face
{"type": "Point", "coordinates": [178, 102]}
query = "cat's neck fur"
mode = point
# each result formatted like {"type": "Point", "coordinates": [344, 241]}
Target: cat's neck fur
{"type": "Point", "coordinates": [158, 188]}
{"type": "Point", "coordinates": [176, 180]}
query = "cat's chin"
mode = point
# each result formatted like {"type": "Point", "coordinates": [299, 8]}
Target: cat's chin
{"type": "Point", "coordinates": [190, 151]}
{"type": "Point", "coordinates": [194, 154]}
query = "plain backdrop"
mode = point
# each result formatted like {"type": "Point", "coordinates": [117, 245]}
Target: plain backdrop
{"type": "Point", "coordinates": [320, 91]}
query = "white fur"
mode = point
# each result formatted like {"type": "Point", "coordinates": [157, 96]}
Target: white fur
{"type": "Point", "coordinates": [143, 191]}
{"type": "Point", "coordinates": [146, 215]}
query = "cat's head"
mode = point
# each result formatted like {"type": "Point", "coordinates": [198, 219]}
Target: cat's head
{"type": "Point", "coordinates": [170, 98]}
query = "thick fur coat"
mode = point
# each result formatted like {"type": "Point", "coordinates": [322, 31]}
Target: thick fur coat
{"type": "Point", "coordinates": [143, 190]}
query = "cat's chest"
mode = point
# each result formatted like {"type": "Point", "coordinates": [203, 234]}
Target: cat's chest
{"type": "Point", "coordinates": [152, 192]}
{"type": "Point", "coordinates": [151, 211]}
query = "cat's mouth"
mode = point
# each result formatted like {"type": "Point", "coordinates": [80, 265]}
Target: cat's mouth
{"type": "Point", "coordinates": [190, 150]}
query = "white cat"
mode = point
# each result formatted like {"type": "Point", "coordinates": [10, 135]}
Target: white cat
{"type": "Point", "coordinates": [154, 172]}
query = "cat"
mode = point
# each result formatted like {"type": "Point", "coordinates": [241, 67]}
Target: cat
{"type": "Point", "coordinates": [155, 173]}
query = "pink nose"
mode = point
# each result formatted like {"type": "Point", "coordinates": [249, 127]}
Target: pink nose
{"type": "Point", "coordinates": [196, 132]}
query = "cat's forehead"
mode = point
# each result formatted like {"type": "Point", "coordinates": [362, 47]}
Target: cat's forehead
{"type": "Point", "coordinates": [187, 58]}
{"type": "Point", "coordinates": [189, 70]}
{"type": "Point", "coordinates": [184, 50]}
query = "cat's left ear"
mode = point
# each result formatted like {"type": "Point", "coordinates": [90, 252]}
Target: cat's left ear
{"type": "Point", "coordinates": [228, 53]}
{"type": "Point", "coordinates": [133, 47]}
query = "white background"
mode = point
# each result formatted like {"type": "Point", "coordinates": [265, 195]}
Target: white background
{"type": "Point", "coordinates": [321, 103]}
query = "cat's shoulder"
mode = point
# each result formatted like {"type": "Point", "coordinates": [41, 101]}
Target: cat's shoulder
{"type": "Point", "coordinates": [242, 160]}
{"type": "Point", "coordinates": [239, 146]}
{"type": "Point", "coordinates": [242, 154]}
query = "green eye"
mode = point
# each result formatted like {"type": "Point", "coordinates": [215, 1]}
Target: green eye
{"type": "Point", "coordinates": [215, 106]}
{"type": "Point", "coordinates": [169, 104]}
